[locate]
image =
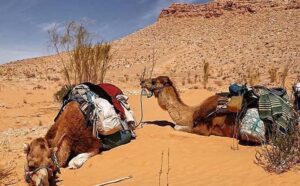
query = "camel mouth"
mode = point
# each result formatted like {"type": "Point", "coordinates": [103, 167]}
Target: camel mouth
{"type": "Point", "coordinates": [147, 92]}
{"type": "Point", "coordinates": [38, 177]}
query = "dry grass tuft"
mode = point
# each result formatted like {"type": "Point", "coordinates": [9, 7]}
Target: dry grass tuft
{"type": "Point", "coordinates": [282, 153]}
{"type": "Point", "coordinates": [7, 173]}
{"type": "Point", "coordinates": [285, 73]}
{"type": "Point", "coordinates": [205, 74]}
{"type": "Point", "coordinates": [252, 77]}
{"type": "Point", "coordinates": [273, 74]}
{"type": "Point", "coordinates": [59, 95]}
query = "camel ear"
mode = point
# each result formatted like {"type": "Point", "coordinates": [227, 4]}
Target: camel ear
{"type": "Point", "coordinates": [26, 148]}
{"type": "Point", "coordinates": [167, 81]}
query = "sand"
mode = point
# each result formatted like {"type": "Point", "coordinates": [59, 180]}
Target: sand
{"type": "Point", "coordinates": [186, 159]}
{"type": "Point", "coordinates": [234, 45]}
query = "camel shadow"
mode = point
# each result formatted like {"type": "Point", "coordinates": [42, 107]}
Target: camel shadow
{"type": "Point", "coordinates": [248, 143]}
{"type": "Point", "coordinates": [161, 123]}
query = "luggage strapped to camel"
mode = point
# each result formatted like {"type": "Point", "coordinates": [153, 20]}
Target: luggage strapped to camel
{"type": "Point", "coordinates": [260, 110]}
{"type": "Point", "coordinates": [102, 106]}
{"type": "Point", "coordinates": [296, 95]}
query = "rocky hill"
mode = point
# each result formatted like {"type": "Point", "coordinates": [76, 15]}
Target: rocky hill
{"type": "Point", "coordinates": [241, 41]}
{"type": "Point", "coordinates": [221, 7]}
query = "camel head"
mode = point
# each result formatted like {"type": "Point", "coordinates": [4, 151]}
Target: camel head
{"type": "Point", "coordinates": [39, 166]}
{"type": "Point", "coordinates": [155, 85]}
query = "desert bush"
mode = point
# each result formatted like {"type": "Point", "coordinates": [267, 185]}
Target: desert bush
{"type": "Point", "coordinates": [205, 74]}
{"type": "Point", "coordinates": [183, 81]}
{"type": "Point", "coordinates": [126, 76]}
{"type": "Point", "coordinates": [285, 74]}
{"type": "Point", "coordinates": [189, 79]}
{"type": "Point", "coordinates": [282, 152]}
{"type": "Point", "coordinates": [219, 82]}
{"type": "Point", "coordinates": [59, 95]}
{"type": "Point", "coordinates": [83, 60]}
{"type": "Point", "coordinates": [253, 76]}
{"type": "Point", "coordinates": [273, 74]}
{"type": "Point", "coordinates": [29, 74]}
{"type": "Point", "coordinates": [7, 173]}
{"type": "Point", "coordinates": [196, 78]}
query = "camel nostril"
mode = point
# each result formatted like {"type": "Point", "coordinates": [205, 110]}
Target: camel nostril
{"type": "Point", "coordinates": [31, 167]}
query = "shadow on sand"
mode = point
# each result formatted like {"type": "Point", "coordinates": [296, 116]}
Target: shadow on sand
{"type": "Point", "coordinates": [161, 123]}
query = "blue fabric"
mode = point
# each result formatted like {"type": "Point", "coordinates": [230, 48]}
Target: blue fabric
{"type": "Point", "coordinates": [236, 89]}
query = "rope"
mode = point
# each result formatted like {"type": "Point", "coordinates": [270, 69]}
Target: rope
{"type": "Point", "coordinates": [141, 109]}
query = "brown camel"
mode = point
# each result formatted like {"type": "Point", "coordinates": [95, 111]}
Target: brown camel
{"type": "Point", "coordinates": [68, 138]}
{"type": "Point", "coordinates": [186, 118]}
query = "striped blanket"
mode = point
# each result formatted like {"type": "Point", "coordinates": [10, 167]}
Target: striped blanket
{"type": "Point", "coordinates": [276, 109]}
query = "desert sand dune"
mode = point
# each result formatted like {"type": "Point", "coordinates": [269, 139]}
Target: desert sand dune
{"type": "Point", "coordinates": [193, 159]}
{"type": "Point", "coordinates": [234, 43]}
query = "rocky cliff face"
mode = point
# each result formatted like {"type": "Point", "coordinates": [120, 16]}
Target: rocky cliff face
{"type": "Point", "coordinates": [221, 7]}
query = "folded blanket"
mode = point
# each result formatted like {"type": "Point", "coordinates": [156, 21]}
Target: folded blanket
{"type": "Point", "coordinates": [276, 109]}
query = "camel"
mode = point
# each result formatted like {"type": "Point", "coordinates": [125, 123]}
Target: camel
{"type": "Point", "coordinates": [187, 118]}
{"type": "Point", "coordinates": [68, 138]}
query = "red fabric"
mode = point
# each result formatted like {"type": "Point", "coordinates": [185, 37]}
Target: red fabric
{"type": "Point", "coordinates": [113, 91]}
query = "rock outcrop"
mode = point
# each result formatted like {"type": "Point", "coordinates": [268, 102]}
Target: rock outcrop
{"type": "Point", "coordinates": [221, 7]}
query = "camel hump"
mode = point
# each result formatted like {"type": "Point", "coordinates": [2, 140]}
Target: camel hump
{"type": "Point", "coordinates": [207, 107]}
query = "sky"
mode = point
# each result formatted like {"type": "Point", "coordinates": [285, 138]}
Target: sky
{"type": "Point", "coordinates": [24, 23]}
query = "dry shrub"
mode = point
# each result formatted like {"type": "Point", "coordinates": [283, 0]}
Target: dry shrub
{"type": "Point", "coordinates": [282, 153]}
{"type": "Point", "coordinates": [252, 77]}
{"type": "Point", "coordinates": [205, 74]}
{"type": "Point", "coordinates": [219, 82]}
{"type": "Point", "coordinates": [126, 76]}
{"type": "Point", "coordinates": [183, 81]}
{"type": "Point", "coordinates": [83, 60]}
{"type": "Point", "coordinates": [273, 74]}
{"type": "Point", "coordinates": [196, 77]}
{"type": "Point", "coordinates": [59, 95]}
{"type": "Point", "coordinates": [39, 87]}
{"type": "Point", "coordinates": [29, 74]}
{"type": "Point", "coordinates": [189, 79]}
{"type": "Point", "coordinates": [285, 74]}
{"type": "Point", "coordinates": [7, 174]}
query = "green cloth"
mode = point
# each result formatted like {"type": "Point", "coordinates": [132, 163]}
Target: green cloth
{"type": "Point", "coordinates": [275, 109]}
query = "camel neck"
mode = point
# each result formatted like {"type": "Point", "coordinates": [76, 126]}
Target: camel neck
{"type": "Point", "coordinates": [169, 97]}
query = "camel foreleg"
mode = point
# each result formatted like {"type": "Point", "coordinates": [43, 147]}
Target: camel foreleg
{"type": "Point", "coordinates": [80, 159]}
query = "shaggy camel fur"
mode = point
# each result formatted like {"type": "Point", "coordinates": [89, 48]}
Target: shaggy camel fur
{"type": "Point", "coordinates": [190, 119]}
{"type": "Point", "coordinates": [68, 138]}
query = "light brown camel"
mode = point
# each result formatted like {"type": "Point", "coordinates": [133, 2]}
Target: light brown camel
{"type": "Point", "coordinates": [186, 118]}
{"type": "Point", "coordinates": [68, 138]}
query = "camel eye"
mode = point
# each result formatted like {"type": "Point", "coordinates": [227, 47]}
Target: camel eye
{"type": "Point", "coordinates": [31, 167]}
{"type": "Point", "coordinates": [153, 82]}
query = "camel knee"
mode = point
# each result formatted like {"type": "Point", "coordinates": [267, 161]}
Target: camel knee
{"type": "Point", "coordinates": [79, 160]}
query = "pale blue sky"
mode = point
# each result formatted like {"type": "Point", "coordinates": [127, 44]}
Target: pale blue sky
{"type": "Point", "coordinates": [24, 23]}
